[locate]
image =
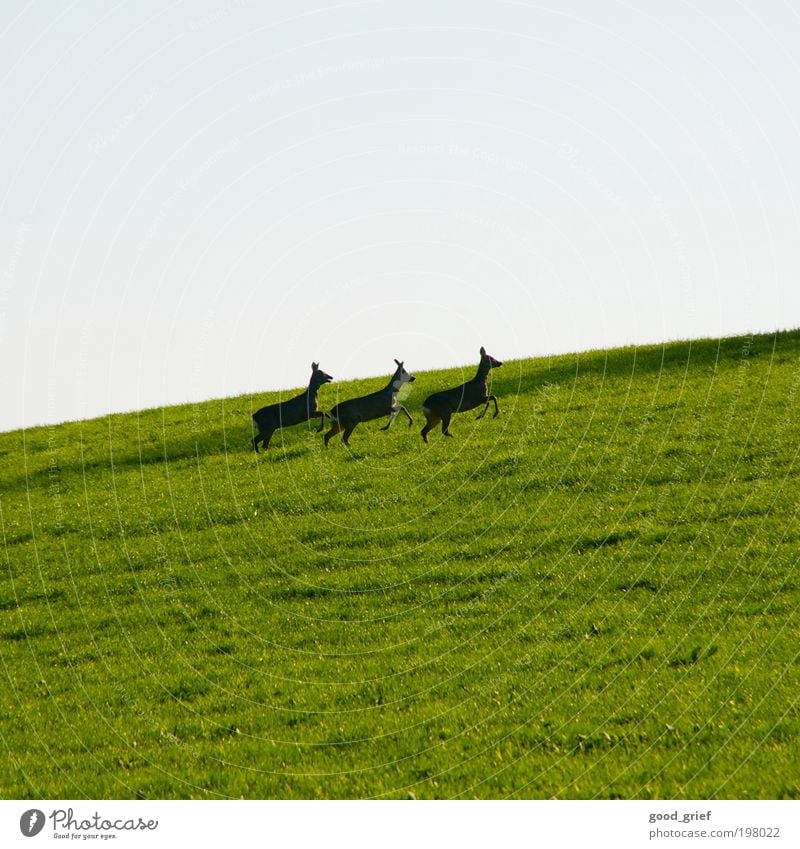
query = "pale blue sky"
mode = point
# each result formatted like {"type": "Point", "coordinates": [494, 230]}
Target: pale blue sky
{"type": "Point", "coordinates": [198, 199]}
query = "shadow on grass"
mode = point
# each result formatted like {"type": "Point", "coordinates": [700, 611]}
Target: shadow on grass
{"type": "Point", "coordinates": [278, 455]}
{"type": "Point", "coordinates": [652, 359]}
{"type": "Point", "coordinates": [146, 454]}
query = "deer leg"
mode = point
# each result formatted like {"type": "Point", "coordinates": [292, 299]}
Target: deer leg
{"type": "Point", "coordinates": [446, 424]}
{"type": "Point", "coordinates": [392, 417]}
{"type": "Point", "coordinates": [321, 420]}
{"type": "Point", "coordinates": [410, 420]}
{"type": "Point", "coordinates": [496, 408]}
{"type": "Point", "coordinates": [265, 438]}
{"type": "Point", "coordinates": [346, 434]}
{"type": "Point", "coordinates": [483, 412]}
{"type": "Point", "coordinates": [259, 429]}
{"type": "Point", "coordinates": [431, 421]}
{"type": "Point", "coordinates": [335, 428]}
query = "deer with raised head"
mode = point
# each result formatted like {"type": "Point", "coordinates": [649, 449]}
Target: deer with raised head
{"type": "Point", "coordinates": [348, 414]}
{"type": "Point", "coordinates": [301, 408]}
{"type": "Point", "coordinates": [440, 406]}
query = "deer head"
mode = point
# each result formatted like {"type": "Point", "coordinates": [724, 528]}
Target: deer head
{"type": "Point", "coordinates": [318, 377]}
{"type": "Point", "coordinates": [488, 358]}
{"type": "Point", "coordinates": [401, 376]}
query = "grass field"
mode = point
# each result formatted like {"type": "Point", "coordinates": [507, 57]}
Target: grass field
{"type": "Point", "coordinates": [593, 595]}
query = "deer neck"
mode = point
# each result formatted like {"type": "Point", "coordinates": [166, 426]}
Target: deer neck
{"type": "Point", "coordinates": [392, 388]}
{"type": "Point", "coordinates": [482, 375]}
{"type": "Point", "coordinates": [313, 388]}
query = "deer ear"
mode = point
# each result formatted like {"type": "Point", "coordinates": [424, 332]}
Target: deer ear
{"type": "Point", "coordinates": [314, 366]}
{"type": "Point", "coordinates": [483, 352]}
{"type": "Point", "coordinates": [398, 362]}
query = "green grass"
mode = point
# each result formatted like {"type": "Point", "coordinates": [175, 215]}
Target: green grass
{"type": "Point", "coordinates": [593, 595]}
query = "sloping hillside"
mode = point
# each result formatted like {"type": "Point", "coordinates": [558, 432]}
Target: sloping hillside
{"type": "Point", "coordinates": [594, 594]}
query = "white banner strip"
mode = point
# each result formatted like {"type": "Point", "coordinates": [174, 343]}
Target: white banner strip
{"type": "Point", "coordinates": [402, 824]}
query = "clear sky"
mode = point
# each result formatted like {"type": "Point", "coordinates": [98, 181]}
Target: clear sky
{"type": "Point", "coordinates": [197, 199]}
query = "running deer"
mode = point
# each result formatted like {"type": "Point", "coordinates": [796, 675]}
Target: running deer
{"type": "Point", "coordinates": [440, 406]}
{"type": "Point", "coordinates": [348, 414]}
{"type": "Point", "coordinates": [301, 408]}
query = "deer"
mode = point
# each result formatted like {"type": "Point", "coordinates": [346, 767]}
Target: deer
{"type": "Point", "coordinates": [440, 406]}
{"type": "Point", "coordinates": [301, 408]}
{"type": "Point", "coordinates": [348, 414]}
